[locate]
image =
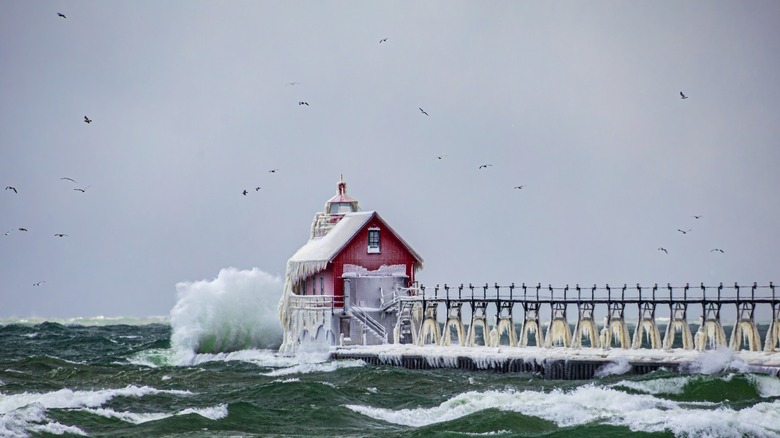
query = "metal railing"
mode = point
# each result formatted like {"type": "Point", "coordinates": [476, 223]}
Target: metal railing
{"type": "Point", "coordinates": [603, 294]}
{"type": "Point", "coordinates": [369, 322]}
{"type": "Point", "coordinates": [316, 302]}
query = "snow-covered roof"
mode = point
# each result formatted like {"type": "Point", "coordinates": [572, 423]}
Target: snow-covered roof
{"type": "Point", "coordinates": [319, 251]}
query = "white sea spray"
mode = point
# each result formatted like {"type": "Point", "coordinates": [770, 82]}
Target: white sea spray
{"type": "Point", "coordinates": [236, 310]}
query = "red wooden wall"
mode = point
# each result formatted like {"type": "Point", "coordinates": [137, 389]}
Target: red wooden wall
{"type": "Point", "coordinates": [393, 252]}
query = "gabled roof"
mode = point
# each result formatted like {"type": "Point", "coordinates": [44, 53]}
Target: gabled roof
{"type": "Point", "coordinates": [319, 251]}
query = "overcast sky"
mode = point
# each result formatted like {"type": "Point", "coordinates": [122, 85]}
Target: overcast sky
{"type": "Point", "coordinates": [190, 105]}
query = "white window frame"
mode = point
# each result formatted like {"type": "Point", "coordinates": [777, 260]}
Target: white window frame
{"type": "Point", "coordinates": [378, 248]}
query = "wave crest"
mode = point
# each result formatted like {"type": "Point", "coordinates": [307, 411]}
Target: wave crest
{"type": "Point", "coordinates": [235, 311]}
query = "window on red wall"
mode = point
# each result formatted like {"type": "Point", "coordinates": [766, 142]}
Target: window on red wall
{"type": "Point", "coordinates": [373, 240]}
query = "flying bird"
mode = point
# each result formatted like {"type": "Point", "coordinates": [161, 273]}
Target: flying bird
{"type": "Point", "coordinates": [82, 190]}
{"type": "Point", "coordinates": [484, 166]}
{"type": "Point", "coordinates": [684, 231]}
{"type": "Point", "coordinates": [382, 40]}
{"type": "Point", "coordinates": [683, 96]}
{"type": "Point", "coordinates": [69, 179]}
{"type": "Point", "coordinates": [697, 217]}
{"type": "Point", "coordinates": [60, 235]}
{"type": "Point", "coordinates": [87, 119]}
{"type": "Point", "coordinates": [441, 156]}
{"type": "Point", "coordinates": [257, 189]}
{"type": "Point", "coordinates": [272, 170]}
{"type": "Point", "coordinates": [519, 187]}
{"type": "Point", "coordinates": [60, 14]}
{"type": "Point", "coordinates": [717, 250]}
{"type": "Point", "coordinates": [244, 192]}
{"type": "Point", "coordinates": [293, 83]}
{"type": "Point", "coordinates": [11, 188]}
{"type": "Point", "coordinates": [663, 249]}
{"type": "Point", "coordinates": [422, 111]}
{"type": "Point", "coordinates": [22, 229]}
{"type": "Point", "coordinates": [303, 103]}
{"type": "Point", "coordinates": [39, 283]}
{"type": "Point", "coordinates": [7, 232]}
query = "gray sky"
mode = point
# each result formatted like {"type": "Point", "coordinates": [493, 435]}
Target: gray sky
{"type": "Point", "coordinates": [577, 101]}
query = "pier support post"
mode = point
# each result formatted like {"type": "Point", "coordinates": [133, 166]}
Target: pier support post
{"type": "Point", "coordinates": [586, 327]}
{"type": "Point", "coordinates": [478, 319]}
{"type": "Point", "coordinates": [678, 324]}
{"type": "Point", "coordinates": [646, 326]}
{"type": "Point", "coordinates": [710, 333]}
{"type": "Point", "coordinates": [772, 342]}
{"type": "Point", "coordinates": [429, 333]}
{"type": "Point", "coordinates": [558, 332]}
{"type": "Point", "coordinates": [745, 329]}
{"type": "Point", "coordinates": [455, 322]}
{"type": "Point", "coordinates": [615, 329]}
{"type": "Point", "coordinates": [506, 324]}
{"type": "Point", "coordinates": [406, 327]}
{"type": "Point", "coordinates": [531, 325]}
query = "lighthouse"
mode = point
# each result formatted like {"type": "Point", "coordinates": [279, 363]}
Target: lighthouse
{"type": "Point", "coordinates": [343, 284]}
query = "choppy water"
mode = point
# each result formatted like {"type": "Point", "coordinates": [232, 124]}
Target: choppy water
{"type": "Point", "coordinates": [126, 380]}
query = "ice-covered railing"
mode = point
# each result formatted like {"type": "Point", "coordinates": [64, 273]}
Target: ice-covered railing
{"type": "Point", "coordinates": [605, 294]}
{"type": "Point", "coordinates": [392, 297]}
{"type": "Point", "coordinates": [316, 302]}
{"type": "Point", "coordinates": [369, 323]}
{"type": "Point", "coordinates": [323, 223]}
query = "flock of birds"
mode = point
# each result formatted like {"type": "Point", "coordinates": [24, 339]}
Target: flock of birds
{"type": "Point", "coordinates": [685, 232]}
{"type": "Point", "coordinates": [24, 229]}
{"type": "Point", "coordinates": [87, 120]}
{"type": "Point", "coordinates": [245, 192]}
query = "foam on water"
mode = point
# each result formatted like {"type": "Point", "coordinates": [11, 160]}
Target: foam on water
{"type": "Point", "coordinates": [596, 404]}
{"type": "Point", "coordinates": [235, 311]}
{"type": "Point", "coordinates": [619, 366]}
{"type": "Point", "coordinates": [67, 398]}
{"type": "Point", "coordinates": [212, 413]}
{"type": "Point", "coordinates": [317, 367]}
{"type": "Point", "coordinates": [671, 385]}
{"type": "Point", "coordinates": [24, 412]}
{"type": "Point", "coordinates": [767, 386]}
{"type": "Point", "coordinates": [716, 361]}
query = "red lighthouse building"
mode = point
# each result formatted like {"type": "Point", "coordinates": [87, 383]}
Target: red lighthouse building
{"type": "Point", "coordinates": [355, 265]}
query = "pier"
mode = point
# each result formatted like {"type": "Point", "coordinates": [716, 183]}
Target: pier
{"type": "Point", "coordinates": [575, 332]}
{"type": "Point", "coordinates": [515, 316]}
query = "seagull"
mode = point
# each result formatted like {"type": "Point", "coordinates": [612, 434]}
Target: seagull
{"type": "Point", "coordinates": [718, 250]}
{"type": "Point", "coordinates": [11, 188]}
{"type": "Point", "coordinates": [303, 103]}
{"type": "Point", "coordinates": [422, 111]}
{"type": "Point", "coordinates": [22, 229]}
{"type": "Point", "coordinates": [39, 283]}
{"type": "Point", "coordinates": [257, 189]}
{"type": "Point", "coordinates": [7, 232]}
{"type": "Point", "coordinates": [293, 83]}
{"type": "Point", "coordinates": [382, 40]}
{"type": "Point", "coordinates": [683, 231]}
{"type": "Point", "coordinates": [663, 249]}
{"type": "Point", "coordinates": [87, 119]}
{"type": "Point", "coordinates": [60, 14]}
{"type": "Point", "coordinates": [697, 217]}
{"type": "Point", "coordinates": [83, 190]}
{"type": "Point", "coordinates": [69, 179]}
{"type": "Point", "coordinates": [519, 187]}
{"type": "Point", "coordinates": [440, 156]}
{"type": "Point", "coordinates": [244, 192]}
{"type": "Point", "coordinates": [60, 235]}
{"type": "Point", "coordinates": [272, 170]}
{"type": "Point", "coordinates": [683, 96]}
{"type": "Point", "coordinates": [484, 166]}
